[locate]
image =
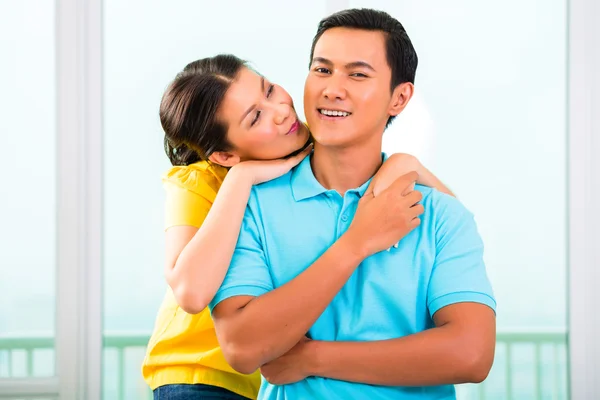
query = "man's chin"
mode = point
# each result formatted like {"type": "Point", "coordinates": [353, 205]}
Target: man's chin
{"type": "Point", "coordinates": [324, 138]}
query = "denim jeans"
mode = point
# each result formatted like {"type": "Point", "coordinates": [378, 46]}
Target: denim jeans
{"type": "Point", "coordinates": [194, 392]}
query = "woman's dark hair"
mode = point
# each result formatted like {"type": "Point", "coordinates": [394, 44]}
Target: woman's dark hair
{"type": "Point", "coordinates": [189, 106]}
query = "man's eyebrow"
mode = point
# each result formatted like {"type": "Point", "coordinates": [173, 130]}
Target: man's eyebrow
{"type": "Point", "coordinates": [360, 64]}
{"type": "Point", "coordinates": [253, 106]}
{"type": "Point", "coordinates": [351, 65]}
{"type": "Point", "coordinates": [322, 60]}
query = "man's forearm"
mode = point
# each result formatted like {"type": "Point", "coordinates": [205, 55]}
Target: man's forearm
{"type": "Point", "coordinates": [438, 356]}
{"type": "Point", "coordinates": [268, 326]}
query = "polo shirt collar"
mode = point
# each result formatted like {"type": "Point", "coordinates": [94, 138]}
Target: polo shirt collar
{"type": "Point", "coordinates": [305, 185]}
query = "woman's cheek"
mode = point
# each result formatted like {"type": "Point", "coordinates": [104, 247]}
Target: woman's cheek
{"type": "Point", "coordinates": [268, 135]}
{"type": "Point", "coordinates": [260, 141]}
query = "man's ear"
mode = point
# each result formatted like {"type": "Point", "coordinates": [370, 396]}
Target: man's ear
{"type": "Point", "coordinates": [400, 98]}
{"type": "Point", "coordinates": [224, 158]}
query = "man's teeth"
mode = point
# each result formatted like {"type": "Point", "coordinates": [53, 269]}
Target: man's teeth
{"type": "Point", "coordinates": [332, 113]}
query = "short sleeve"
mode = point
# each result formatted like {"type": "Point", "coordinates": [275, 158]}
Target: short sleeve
{"type": "Point", "coordinates": [248, 274]}
{"type": "Point", "coordinates": [458, 273]}
{"type": "Point", "coordinates": [187, 197]}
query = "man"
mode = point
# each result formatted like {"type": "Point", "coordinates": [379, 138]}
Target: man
{"type": "Point", "coordinates": [404, 323]}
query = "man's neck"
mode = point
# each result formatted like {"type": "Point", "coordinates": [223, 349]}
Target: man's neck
{"type": "Point", "coordinates": [343, 169]}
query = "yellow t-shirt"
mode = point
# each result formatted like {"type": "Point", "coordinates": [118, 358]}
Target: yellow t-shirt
{"type": "Point", "coordinates": [183, 348]}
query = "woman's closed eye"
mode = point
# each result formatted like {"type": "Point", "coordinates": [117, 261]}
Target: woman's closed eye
{"type": "Point", "coordinates": [258, 112]}
{"type": "Point", "coordinates": [270, 90]}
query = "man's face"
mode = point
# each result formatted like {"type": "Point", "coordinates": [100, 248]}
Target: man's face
{"type": "Point", "coordinates": [347, 97]}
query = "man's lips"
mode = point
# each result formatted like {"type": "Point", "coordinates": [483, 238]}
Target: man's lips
{"type": "Point", "coordinates": [332, 114]}
{"type": "Point", "coordinates": [328, 109]}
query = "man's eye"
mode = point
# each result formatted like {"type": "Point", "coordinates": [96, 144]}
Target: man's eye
{"type": "Point", "coordinates": [359, 75]}
{"type": "Point", "coordinates": [270, 91]}
{"type": "Point", "coordinates": [322, 70]}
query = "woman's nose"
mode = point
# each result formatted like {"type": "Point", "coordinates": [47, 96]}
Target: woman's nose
{"type": "Point", "coordinates": [282, 112]}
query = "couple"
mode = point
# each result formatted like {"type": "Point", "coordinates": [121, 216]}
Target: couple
{"type": "Point", "coordinates": [327, 270]}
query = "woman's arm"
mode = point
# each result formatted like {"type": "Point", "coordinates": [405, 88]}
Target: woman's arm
{"type": "Point", "coordinates": [197, 259]}
{"type": "Point", "coordinates": [399, 164]}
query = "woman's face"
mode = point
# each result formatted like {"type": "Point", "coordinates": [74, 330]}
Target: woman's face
{"type": "Point", "coordinates": [261, 119]}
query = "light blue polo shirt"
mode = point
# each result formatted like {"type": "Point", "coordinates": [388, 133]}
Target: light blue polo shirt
{"type": "Point", "coordinates": [291, 221]}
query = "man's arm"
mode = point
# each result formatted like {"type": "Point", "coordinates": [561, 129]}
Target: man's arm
{"type": "Point", "coordinates": [460, 349]}
{"type": "Point", "coordinates": [255, 330]}
{"type": "Point", "coordinates": [459, 297]}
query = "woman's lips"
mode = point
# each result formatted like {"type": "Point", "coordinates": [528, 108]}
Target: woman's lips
{"type": "Point", "coordinates": [294, 127]}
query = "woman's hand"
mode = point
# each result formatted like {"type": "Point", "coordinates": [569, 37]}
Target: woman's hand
{"type": "Point", "coordinates": [263, 171]}
{"type": "Point", "coordinates": [399, 164]}
{"type": "Point", "coordinates": [395, 166]}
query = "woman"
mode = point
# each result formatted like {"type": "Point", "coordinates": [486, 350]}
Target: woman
{"type": "Point", "coordinates": [220, 118]}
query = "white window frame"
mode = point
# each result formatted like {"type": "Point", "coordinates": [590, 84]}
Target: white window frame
{"type": "Point", "coordinates": [584, 198]}
{"type": "Point", "coordinates": [78, 335]}
{"type": "Point", "coordinates": [79, 277]}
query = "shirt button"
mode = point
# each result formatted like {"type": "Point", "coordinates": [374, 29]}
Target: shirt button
{"type": "Point", "coordinates": [344, 218]}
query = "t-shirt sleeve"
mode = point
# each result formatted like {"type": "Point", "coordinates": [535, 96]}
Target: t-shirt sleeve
{"type": "Point", "coordinates": [187, 195]}
{"type": "Point", "coordinates": [248, 274]}
{"type": "Point", "coordinates": [458, 273]}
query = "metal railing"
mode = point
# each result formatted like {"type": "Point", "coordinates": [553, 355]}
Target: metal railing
{"type": "Point", "coordinates": [529, 364]}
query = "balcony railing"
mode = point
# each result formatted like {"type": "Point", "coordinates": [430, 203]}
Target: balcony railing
{"type": "Point", "coordinates": [529, 364]}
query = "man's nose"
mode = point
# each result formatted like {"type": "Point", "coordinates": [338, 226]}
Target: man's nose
{"type": "Point", "coordinates": [335, 89]}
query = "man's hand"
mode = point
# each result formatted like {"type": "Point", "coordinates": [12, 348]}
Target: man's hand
{"type": "Point", "coordinates": [380, 222]}
{"type": "Point", "coordinates": [290, 367]}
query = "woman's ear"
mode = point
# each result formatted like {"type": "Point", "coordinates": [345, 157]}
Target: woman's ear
{"type": "Point", "coordinates": [400, 98]}
{"type": "Point", "coordinates": [224, 158]}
